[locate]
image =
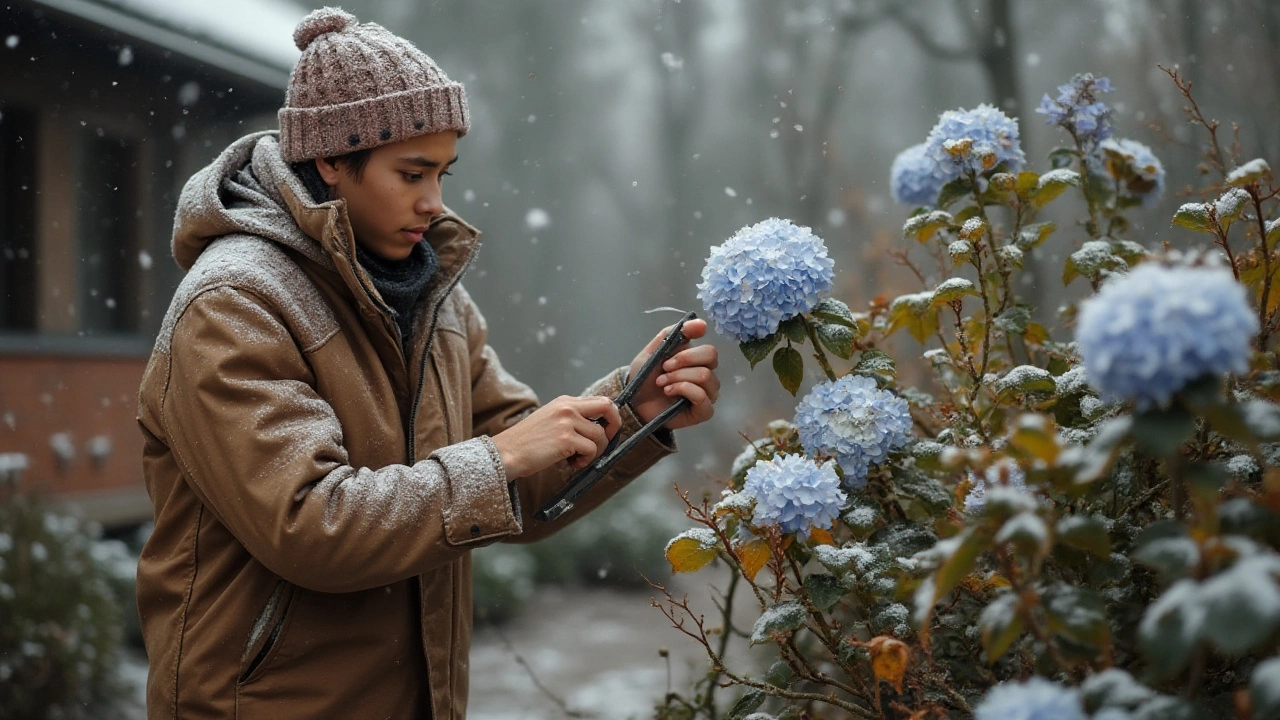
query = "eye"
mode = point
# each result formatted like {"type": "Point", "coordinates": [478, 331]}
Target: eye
{"type": "Point", "coordinates": [446, 172]}
{"type": "Point", "coordinates": [412, 177]}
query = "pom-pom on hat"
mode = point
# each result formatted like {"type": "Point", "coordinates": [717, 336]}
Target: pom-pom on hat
{"type": "Point", "coordinates": [358, 86]}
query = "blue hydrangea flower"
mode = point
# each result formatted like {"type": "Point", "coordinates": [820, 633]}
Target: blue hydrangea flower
{"type": "Point", "coordinates": [1142, 174]}
{"type": "Point", "coordinates": [794, 493]}
{"type": "Point", "coordinates": [974, 140]}
{"type": "Point", "coordinates": [1003, 473]}
{"type": "Point", "coordinates": [915, 178]}
{"type": "Point", "coordinates": [764, 274]}
{"type": "Point", "coordinates": [1147, 334]}
{"type": "Point", "coordinates": [1078, 110]}
{"type": "Point", "coordinates": [854, 421]}
{"type": "Point", "coordinates": [1036, 699]}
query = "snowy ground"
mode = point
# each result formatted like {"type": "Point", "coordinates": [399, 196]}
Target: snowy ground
{"type": "Point", "coordinates": [595, 650]}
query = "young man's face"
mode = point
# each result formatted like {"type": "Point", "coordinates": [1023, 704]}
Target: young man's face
{"type": "Point", "coordinates": [398, 194]}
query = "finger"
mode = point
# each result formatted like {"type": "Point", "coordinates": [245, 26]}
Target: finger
{"type": "Point", "coordinates": [694, 392]}
{"type": "Point", "coordinates": [586, 449]}
{"type": "Point", "coordinates": [612, 420]}
{"type": "Point", "coordinates": [697, 375]}
{"type": "Point", "coordinates": [704, 355]}
{"type": "Point", "coordinates": [594, 406]}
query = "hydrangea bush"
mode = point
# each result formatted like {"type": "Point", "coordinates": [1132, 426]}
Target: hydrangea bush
{"type": "Point", "coordinates": [1077, 516]}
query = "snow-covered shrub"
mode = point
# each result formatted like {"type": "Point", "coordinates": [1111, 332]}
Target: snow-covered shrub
{"type": "Point", "coordinates": [60, 619]}
{"type": "Point", "coordinates": [1062, 526]}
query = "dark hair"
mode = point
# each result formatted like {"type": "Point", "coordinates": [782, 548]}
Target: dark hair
{"type": "Point", "coordinates": [355, 161]}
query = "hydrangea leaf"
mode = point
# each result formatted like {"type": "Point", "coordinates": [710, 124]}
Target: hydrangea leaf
{"type": "Point", "coordinates": [1000, 624]}
{"type": "Point", "coordinates": [754, 555]}
{"type": "Point", "coordinates": [780, 675]}
{"type": "Point", "coordinates": [756, 350]}
{"type": "Point", "coordinates": [789, 366]}
{"type": "Point", "coordinates": [953, 191]}
{"type": "Point", "coordinates": [1033, 235]}
{"type": "Point", "coordinates": [923, 488]}
{"type": "Point", "coordinates": [1230, 206]}
{"type": "Point", "coordinates": [1162, 432]}
{"type": "Point", "coordinates": [830, 310]}
{"type": "Point", "coordinates": [752, 699]}
{"type": "Point", "coordinates": [1242, 605]}
{"type": "Point", "coordinates": [1115, 688]}
{"type": "Point", "coordinates": [1014, 320]}
{"type": "Point", "coordinates": [1051, 185]}
{"type": "Point", "coordinates": [915, 313]}
{"type": "Point", "coordinates": [1024, 379]}
{"type": "Point", "coordinates": [1026, 182]}
{"type": "Point", "coordinates": [1251, 173]}
{"type": "Point", "coordinates": [824, 590]}
{"type": "Point", "coordinates": [877, 364]}
{"type": "Point", "coordinates": [952, 290]}
{"type": "Point", "coordinates": [1171, 628]}
{"type": "Point", "coordinates": [1093, 461]}
{"type": "Point", "coordinates": [1028, 534]}
{"type": "Point", "coordinates": [778, 621]}
{"type": "Point", "coordinates": [924, 226]}
{"type": "Point", "coordinates": [1264, 688]}
{"type": "Point", "coordinates": [955, 558]}
{"type": "Point", "coordinates": [793, 330]}
{"type": "Point", "coordinates": [691, 550]}
{"type": "Point", "coordinates": [836, 338]}
{"type": "Point", "coordinates": [1194, 216]}
{"type": "Point", "coordinates": [1085, 532]}
{"type": "Point", "coordinates": [1165, 547]}
{"type": "Point", "coordinates": [1078, 613]}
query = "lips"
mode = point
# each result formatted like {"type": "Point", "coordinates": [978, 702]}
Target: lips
{"type": "Point", "coordinates": [414, 233]}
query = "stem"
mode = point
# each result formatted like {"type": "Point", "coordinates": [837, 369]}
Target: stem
{"type": "Point", "coordinates": [1264, 299]}
{"type": "Point", "coordinates": [818, 352]}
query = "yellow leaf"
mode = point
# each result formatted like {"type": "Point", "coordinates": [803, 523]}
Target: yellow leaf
{"type": "Point", "coordinates": [754, 555]}
{"type": "Point", "coordinates": [889, 658]}
{"type": "Point", "coordinates": [818, 536]}
{"type": "Point", "coordinates": [691, 550]}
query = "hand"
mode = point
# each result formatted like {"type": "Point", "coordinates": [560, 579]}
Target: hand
{"type": "Point", "coordinates": [563, 429]}
{"type": "Point", "coordinates": [690, 373]}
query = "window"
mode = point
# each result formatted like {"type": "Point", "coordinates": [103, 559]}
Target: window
{"type": "Point", "coordinates": [109, 205]}
{"type": "Point", "coordinates": [18, 299]}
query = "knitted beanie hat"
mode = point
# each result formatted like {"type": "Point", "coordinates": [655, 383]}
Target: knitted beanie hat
{"type": "Point", "coordinates": [358, 86]}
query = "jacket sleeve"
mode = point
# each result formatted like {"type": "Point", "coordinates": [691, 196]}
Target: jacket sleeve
{"type": "Point", "coordinates": [500, 401]}
{"type": "Point", "coordinates": [264, 452]}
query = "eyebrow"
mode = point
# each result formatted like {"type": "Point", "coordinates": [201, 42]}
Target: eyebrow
{"type": "Point", "coordinates": [423, 162]}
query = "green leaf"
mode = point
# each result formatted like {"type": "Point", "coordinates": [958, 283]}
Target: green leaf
{"type": "Point", "coordinates": [1242, 605]}
{"type": "Point", "coordinates": [781, 619]}
{"type": "Point", "coordinates": [789, 366]}
{"type": "Point", "coordinates": [1000, 624]}
{"type": "Point", "coordinates": [1087, 533]}
{"type": "Point", "coordinates": [923, 488]}
{"type": "Point", "coordinates": [1094, 460]}
{"type": "Point", "coordinates": [823, 590]}
{"type": "Point", "coordinates": [1170, 629]}
{"type": "Point", "coordinates": [752, 699]}
{"type": "Point", "coordinates": [956, 556]}
{"type": "Point", "coordinates": [952, 290]}
{"type": "Point", "coordinates": [1195, 216]}
{"type": "Point", "coordinates": [1262, 418]}
{"type": "Point", "coordinates": [1062, 157]}
{"type": "Point", "coordinates": [876, 364]}
{"type": "Point", "coordinates": [923, 227]}
{"type": "Point", "coordinates": [1090, 260]}
{"type": "Point", "coordinates": [793, 329]}
{"type": "Point", "coordinates": [830, 310]}
{"type": "Point", "coordinates": [1162, 432]}
{"type": "Point", "coordinates": [953, 191]}
{"type": "Point", "coordinates": [1079, 614]}
{"type": "Point", "coordinates": [1273, 233]}
{"type": "Point", "coordinates": [757, 350]}
{"type": "Point", "coordinates": [836, 338]}
{"type": "Point", "coordinates": [1027, 533]}
{"type": "Point", "coordinates": [1033, 235]}
{"type": "Point", "coordinates": [1024, 379]}
{"type": "Point", "coordinates": [1026, 183]}
{"type": "Point", "coordinates": [1230, 206]}
{"type": "Point", "coordinates": [1014, 320]}
{"type": "Point", "coordinates": [1051, 185]}
{"type": "Point", "coordinates": [780, 675]}
{"type": "Point", "coordinates": [1251, 173]}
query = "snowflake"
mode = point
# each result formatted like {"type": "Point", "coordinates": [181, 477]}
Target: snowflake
{"type": "Point", "coordinates": [764, 274]}
{"type": "Point", "coordinates": [915, 178]}
{"type": "Point", "coordinates": [854, 421]}
{"type": "Point", "coordinates": [975, 141]}
{"type": "Point", "coordinates": [1147, 334]}
{"type": "Point", "coordinates": [794, 493]}
{"type": "Point", "coordinates": [1138, 170]}
{"type": "Point", "coordinates": [1036, 699]}
{"type": "Point", "coordinates": [1078, 110]}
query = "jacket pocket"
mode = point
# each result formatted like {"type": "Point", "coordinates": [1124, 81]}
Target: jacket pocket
{"type": "Point", "coordinates": [264, 634]}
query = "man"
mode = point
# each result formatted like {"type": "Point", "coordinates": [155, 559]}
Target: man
{"type": "Point", "coordinates": [328, 433]}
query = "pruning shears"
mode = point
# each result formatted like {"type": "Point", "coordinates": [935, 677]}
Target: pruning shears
{"type": "Point", "coordinates": [615, 451]}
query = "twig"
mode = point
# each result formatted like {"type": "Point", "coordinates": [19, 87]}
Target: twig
{"type": "Point", "coordinates": [564, 707]}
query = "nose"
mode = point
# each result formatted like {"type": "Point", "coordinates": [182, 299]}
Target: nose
{"type": "Point", "coordinates": [431, 202]}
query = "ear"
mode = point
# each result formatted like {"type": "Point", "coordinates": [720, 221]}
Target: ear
{"type": "Point", "coordinates": [329, 171]}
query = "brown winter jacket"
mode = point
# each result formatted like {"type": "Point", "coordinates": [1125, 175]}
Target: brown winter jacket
{"type": "Point", "coordinates": [316, 492]}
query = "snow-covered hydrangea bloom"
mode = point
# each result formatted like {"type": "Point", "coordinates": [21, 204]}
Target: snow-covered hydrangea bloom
{"type": "Point", "coordinates": [915, 178]}
{"type": "Point", "coordinates": [854, 421]}
{"type": "Point", "coordinates": [1147, 334]}
{"type": "Point", "coordinates": [1035, 699]}
{"type": "Point", "coordinates": [764, 274]}
{"type": "Point", "coordinates": [794, 493]}
{"type": "Point", "coordinates": [1078, 110]}
{"type": "Point", "coordinates": [1002, 473]}
{"type": "Point", "coordinates": [991, 136]}
{"type": "Point", "coordinates": [1142, 165]}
